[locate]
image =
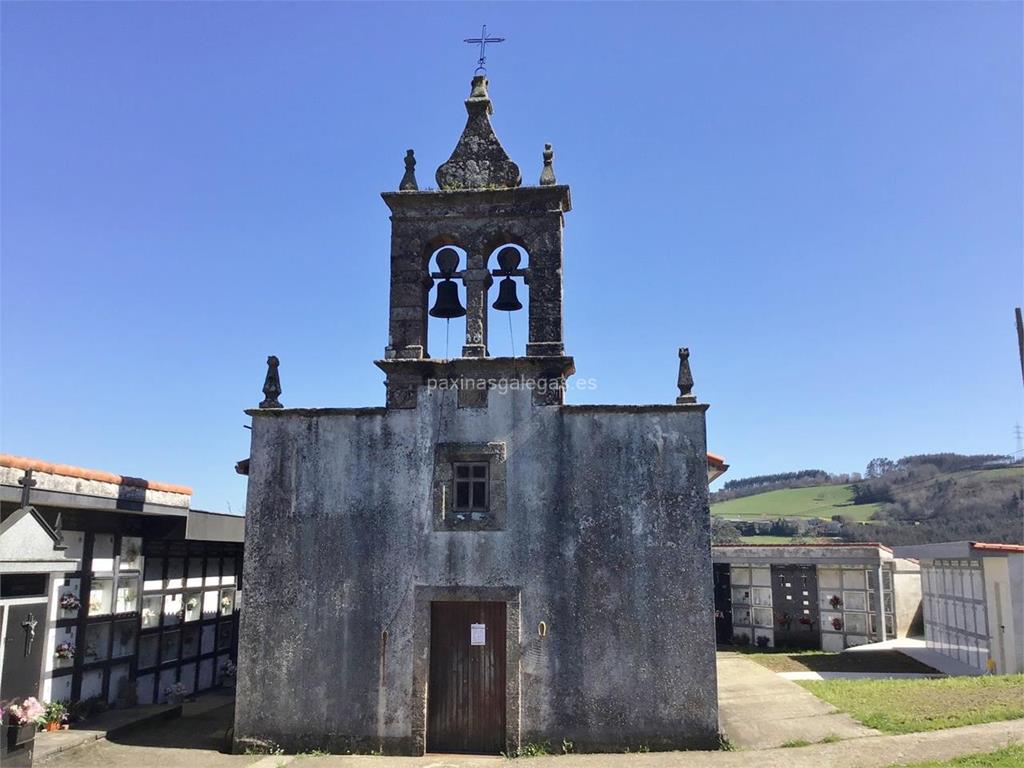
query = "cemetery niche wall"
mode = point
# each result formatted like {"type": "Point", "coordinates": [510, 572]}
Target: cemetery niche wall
{"type": "Point", "coordinates": [32, 560]}
{"type": "Point", "coordinates": [151, 599]}
{"type": "Point", "coordinates": [974, 602]}
{"type": "Point", "coordinates": [477, 565]}
{"type": "Point", "coordinates": [818, 596]}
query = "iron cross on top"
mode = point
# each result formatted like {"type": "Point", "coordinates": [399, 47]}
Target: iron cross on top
{"type": "Point", "coordinates": [482, 41]}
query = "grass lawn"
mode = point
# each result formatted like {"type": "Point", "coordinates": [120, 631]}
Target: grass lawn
{"type": "Point", "coordinates": [820, 501]}
{"type": "Point", "coordinates": [1009, 757]}
{"type": "Point", "coordinates": [823, 661]}
{"type": "Point", "coordinates": [907, 706]}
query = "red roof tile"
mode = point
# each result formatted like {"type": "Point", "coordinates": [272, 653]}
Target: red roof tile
{"type": "Point", "coordinates": [997, 547]}
{"type": "Point", "coordinates": [37, 465]}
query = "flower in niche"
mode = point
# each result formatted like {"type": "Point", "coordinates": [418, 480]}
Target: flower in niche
{"type": "Point", "coordinates": [22, 714]}
{"type": "Point", "coordinates": [176, 693]}
{"type": "Point", "coordinates": [69, 602]}
{"type": "Point", "coordinates": [130, 553]}
{"type": "Point", "coordinates": [64, 650]}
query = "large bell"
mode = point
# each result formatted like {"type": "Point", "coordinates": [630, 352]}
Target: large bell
{"type": "Point", "coordinates": [507, 300]}
{"type": "Point", "coordinates": [447, 303]}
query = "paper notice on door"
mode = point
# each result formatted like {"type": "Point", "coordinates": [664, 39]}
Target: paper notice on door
{"type": "Point", "coordinates": [477, 634]}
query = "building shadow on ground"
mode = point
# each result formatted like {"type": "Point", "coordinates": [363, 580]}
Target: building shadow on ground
{"type": "Point", "coordinates": [884, 661]}
{"type": "Point", "coordinates": [202, 731]}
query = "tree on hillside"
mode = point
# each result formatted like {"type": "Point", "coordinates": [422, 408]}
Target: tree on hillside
{"type": "Point", "coordinates": [879, 467]}
{"type": "Point", "coordinates": [724, 532]}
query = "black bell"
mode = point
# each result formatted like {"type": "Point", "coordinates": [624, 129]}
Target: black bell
{"type": "Point", "coordinates": [507, 300]}
{"type": "Point", "coordinates": [447, 304]}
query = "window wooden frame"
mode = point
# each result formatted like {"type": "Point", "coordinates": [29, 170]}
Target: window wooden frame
{"type": "Point", "coordinates": [473, 477]}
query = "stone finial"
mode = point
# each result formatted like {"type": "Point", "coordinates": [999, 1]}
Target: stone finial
{"type": "Point", "coordinates": [408, 182]}
{"type": "Point", "coordinates": [547, 176]}
{"type": "Point", "coordinates": [272, 385]}
{"type": "Point", "coordinates": [685, 382]}
{"type": "Point", "coordinates": [478, 160]}
{"type": "Point", "coordinates": [478, 90]}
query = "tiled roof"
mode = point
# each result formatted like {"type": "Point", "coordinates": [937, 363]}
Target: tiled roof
{"type": "Point", "coordinates": [997, 547]}
{"type": "Point", "coordinates": [37, 465]}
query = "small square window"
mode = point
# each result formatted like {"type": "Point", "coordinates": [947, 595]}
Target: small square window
{"type": "Point", "coordinates": [470, 487]}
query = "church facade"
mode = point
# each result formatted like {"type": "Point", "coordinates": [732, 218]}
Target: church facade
{"type": "Point", "coordinates": [476, 565]}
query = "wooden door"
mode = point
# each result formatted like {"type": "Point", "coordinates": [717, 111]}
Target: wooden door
{"type": "Point", "coordinates": [795, 604]}
{"type": "Point", "coordinates": [466, 693]}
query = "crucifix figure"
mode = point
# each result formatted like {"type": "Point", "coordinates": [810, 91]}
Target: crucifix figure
{"type": "Point", "coordinates": [27, 484]}
{"type": "Point", "coordinates": [482, 41]}
{"type": "Point", "coordinates": [29, 625]}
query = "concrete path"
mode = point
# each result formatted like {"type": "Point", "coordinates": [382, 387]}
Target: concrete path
{"type": "Point", "coordinates": [916, 648]}
{"type": "Point", "coordinates": [758, 709]}
{"type": "Point", "coordinates": [192, 741]}
{"type": "Point", "coordinates": [870, 752]}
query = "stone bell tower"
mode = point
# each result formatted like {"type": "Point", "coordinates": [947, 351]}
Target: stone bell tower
{"type": "Point", "coordinates": [482, 209]}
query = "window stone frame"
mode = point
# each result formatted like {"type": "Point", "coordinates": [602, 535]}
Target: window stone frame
{"type": "Point", "coordinates": [446, 455]}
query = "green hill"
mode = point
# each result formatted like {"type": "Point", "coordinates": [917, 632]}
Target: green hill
{"type": "Point", "coordinates": [820, 501]}
{"type": "Point", "coordinates": [917, 500]}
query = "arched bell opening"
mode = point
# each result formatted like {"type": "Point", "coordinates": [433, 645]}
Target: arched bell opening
{"type": "Point", "coordinates": [508, 301]}
{"type": "Point", "coordinates": [446, 301]}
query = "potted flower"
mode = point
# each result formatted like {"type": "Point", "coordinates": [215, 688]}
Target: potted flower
{"type": "Point", "coordinates": [785, 620]}
{"type": "Point", "coordinates": [837, 624]}
{"type": "Point", "coordinates": [226, 603]}
{"type": "Point", "coordinates": [64, 651]}
{"type": "Point", "coordinates": [69, 602]}
{"type": "Point", "coordinates": [835, 601]}
{"type": "Point", "coordinates": [806, 621]}
{"type": "Point", "coordinates": [192, 604]}
{"type": "Point", "coordinates": [54, 716]}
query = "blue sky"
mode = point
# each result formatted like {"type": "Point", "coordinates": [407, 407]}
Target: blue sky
{"type": "Point", "coordinates": [823, 201]}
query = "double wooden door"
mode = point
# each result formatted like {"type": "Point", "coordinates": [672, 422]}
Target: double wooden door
{"type": "Point", "coordinates": [466, 693]}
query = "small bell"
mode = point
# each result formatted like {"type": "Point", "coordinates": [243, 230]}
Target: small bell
{"type": "Point", "coordinates": [507, 300]}
{"type": "Point", "coordinates": [447, 303]}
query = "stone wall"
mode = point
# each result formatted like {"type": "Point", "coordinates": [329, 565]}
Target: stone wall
{"type": "Point", "coordinates": [606, 541]}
